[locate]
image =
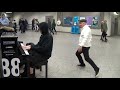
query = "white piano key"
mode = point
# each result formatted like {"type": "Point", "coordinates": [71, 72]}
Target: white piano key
{"type": "Point", "coordinates": [26, 52]}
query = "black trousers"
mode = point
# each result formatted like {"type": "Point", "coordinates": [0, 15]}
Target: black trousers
{"type": "Point", "coordinates": [85, 51]}
{"type": "Point", "coordinates": [15, 29]}
{"type": "Point", "coordinates": [1, 31]}
{"type": "Point", "coordinates": [30, 61]}
{"type": "Point", "coordinates": [103, 35]}
{"type": "Point", "coordinates": [20, 27]}
{"type": "Point", "coordinates": [53, 28]}
{"type": "Point", "coordinates": [23, 29]}
{"type": "Point", "coordinates": [51, 31]}
{"type": "Point", "coordinates": [33, 27]}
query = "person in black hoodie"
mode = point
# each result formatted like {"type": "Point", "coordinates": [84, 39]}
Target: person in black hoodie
{"type": "Point", "coordinates": [42, 50]}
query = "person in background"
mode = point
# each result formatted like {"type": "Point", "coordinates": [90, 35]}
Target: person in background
{"type": "Point", "coordinates": [36, 25]}
{"type": "Point", "coordinates": [33, 22]}
{"type": "Point", "coordinates": [84, 46]}
{"type": "Point", "coordinates": [50, 27]}
{"type": "Point", "coordinates": [105, 28]}
{"type": "Point", "coordinates": [53, 26]}
{"type": "Point", "coordinates": [102, 23]}
{"type": "Point", "coordinates": [26, 24]}
{"type": "Point", "coordinates": [4, 21]}
{"type": "Point", "coordinates": [20, 24]}
{"type": "Point", "coordinates": [15, 25]}
{"type": "Point", "coordinates": [41, 51]}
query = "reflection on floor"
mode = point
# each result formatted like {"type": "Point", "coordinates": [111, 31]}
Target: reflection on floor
{"type": "Point", "coordinates": [63, 63]}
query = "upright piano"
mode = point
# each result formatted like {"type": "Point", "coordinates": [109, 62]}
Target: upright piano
{"type": "Point", "coordinates": [11, 50]}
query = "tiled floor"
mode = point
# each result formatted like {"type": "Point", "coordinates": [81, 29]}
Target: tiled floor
{"type": "Point", "coordinates": [63, 63]}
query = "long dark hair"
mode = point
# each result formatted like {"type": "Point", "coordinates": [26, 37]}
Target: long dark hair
{"type": "Point", "coordinates": [43, 28]}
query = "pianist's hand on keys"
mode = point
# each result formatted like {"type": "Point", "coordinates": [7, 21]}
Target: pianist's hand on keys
{"type": "Point", "coordinates": [27, 47]}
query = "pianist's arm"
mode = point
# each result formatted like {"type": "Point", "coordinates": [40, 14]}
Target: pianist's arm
{"type": "Point", "coordinates": [44, 45]}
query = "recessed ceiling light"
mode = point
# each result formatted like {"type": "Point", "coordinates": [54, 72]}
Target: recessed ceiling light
{"type": "Point", "coordinates": [8, 12]}
{"type": "Point", "coordinates": [115, 13]}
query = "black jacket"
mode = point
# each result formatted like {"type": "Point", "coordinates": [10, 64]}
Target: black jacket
{"type": "Point", "coordinates": [44, 46]}
{"type": "Point", "coordinates": [53, 25]}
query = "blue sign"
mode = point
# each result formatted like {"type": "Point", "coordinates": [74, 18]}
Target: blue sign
{"type": "Point", "coordinates": [76, 19]}
{"type": "Point", "coordinates": [75, 28]}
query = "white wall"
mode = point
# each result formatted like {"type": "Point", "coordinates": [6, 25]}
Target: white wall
{"type": "Point", "coordinates": [68, 29]}
{"type": "Point", "coordinates": [63, 29]}
{"type": "Point", "coordinates": [41, 17]}
{"type": "Point", "coordinates": [119, 26]}
{"type": "Point", "coordinates": [94, 31]}
{"type": "Point", "coordinates": [30, 15]}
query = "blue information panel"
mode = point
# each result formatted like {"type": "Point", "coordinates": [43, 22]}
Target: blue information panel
{"type": "Point", "coordinates": [75, 28]}
{"type": "Point", "coordinates": [76, 19]}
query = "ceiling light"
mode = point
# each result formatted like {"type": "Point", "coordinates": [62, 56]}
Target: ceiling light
{"type": "Point", "coordinates": [115, 13]}
{"type": "Point", "coordinates": [8, 12]}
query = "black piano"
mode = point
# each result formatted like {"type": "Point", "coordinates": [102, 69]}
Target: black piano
{"type": "Point", "coordinates": [11, 50]}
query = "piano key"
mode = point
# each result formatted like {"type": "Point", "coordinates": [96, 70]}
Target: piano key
{"type": "Point", "coordinates": [26, 52]}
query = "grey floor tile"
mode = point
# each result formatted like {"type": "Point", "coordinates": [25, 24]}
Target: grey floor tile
{"type": "Point", "coordinates": [63, 63]}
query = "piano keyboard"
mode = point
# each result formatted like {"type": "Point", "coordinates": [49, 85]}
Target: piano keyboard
{"type": "Point", "coordinates": [26, 52]}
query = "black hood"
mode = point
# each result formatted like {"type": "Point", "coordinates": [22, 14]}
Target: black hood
{"type": "Point", "coordinates": [43, 28]}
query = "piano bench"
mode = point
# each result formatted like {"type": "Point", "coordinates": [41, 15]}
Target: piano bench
{"type": "Point", "coordinates": [39, 66]}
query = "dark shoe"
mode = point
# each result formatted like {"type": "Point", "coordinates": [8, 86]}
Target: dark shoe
{"type": "Point", "coordinates": [82, 65]}
{"type": "Point", "coordinates": [97, 72]}
{"type": "Point", "coordinates": [106, 40]}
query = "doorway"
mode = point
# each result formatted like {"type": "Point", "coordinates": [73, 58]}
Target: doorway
{"type": "Point", "coordinates": [50, 17]}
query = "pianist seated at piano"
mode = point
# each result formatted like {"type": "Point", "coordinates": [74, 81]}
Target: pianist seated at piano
{"type": "Point", "coordinates": [40, 51]}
